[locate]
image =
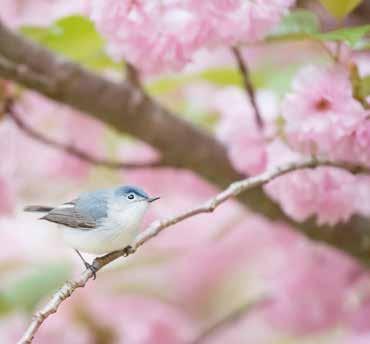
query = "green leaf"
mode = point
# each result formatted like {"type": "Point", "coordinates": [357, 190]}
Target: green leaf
{"type": "Point", "coordinates": [351, 35]}
{"type": "Point", "coordinates": [217, 76]}
{"type": "Point", "coordinates": [340, 8]}
{"type": "Point", "coordinates": [297, 22]}
{"type": "Point", "coordinates": [167, 84]}
{"type": "Point", "coordinates": [356, 37]}
{"type": "Point", "coordinates": [222, 76]}
{"type": "Point", "coordinates": [271, 77]}
{"type": "Point", "coordinates": [27, 291]}
{"type": "Point", "coordinates": [76, 38]}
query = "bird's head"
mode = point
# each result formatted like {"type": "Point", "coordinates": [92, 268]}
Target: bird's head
{"type": "Point", "coordinates": [133, 194]}
{"type": "Point", "coordinates": [130, 202]}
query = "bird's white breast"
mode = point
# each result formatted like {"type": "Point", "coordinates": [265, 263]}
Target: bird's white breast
{"type": "Point", "coordinates": [116, 231]}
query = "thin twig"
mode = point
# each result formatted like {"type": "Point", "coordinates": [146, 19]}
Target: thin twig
{"type": "Point", "coordinates": [133, 76]}
{"type": "Point", "coordinates": [156, 227]}
{"type": "Point", "coordinates": [243, 67]}
{"type": "Point", "coordinates": [70, 149]}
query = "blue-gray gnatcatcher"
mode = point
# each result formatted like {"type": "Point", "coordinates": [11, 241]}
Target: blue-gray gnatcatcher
{"type": "Point", "coordinates": [100, 221]}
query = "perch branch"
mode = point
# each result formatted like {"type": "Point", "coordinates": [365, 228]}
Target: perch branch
{"type": "Point", "coordinates": [156, 227]}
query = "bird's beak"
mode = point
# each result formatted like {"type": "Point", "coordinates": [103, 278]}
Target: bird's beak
{"type": "Point", "coordinates": [150, 200]}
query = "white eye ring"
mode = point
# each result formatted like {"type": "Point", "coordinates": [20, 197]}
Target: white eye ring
{"type": "Point", "coordinates": [131, 196]}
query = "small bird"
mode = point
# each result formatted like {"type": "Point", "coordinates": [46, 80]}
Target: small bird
{"type": "Point", "coordinates": [100, 221]}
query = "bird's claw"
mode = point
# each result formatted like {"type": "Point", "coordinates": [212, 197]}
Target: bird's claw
{"type": "Point", "coordinates": [128, 250]}
{"type": "Point", "coordinates": [92, 268]}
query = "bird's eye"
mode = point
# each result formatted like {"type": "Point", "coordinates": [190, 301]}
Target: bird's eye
{"type": "Point", "coordinates": [131, 196]}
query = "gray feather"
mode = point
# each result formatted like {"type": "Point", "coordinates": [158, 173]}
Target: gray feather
{"type": "Point", "coordinates": [94, 204]}
{"type": "Point", "coordinates": [38, 208]}
{"type": "Point", "coordinates": [86, 212]}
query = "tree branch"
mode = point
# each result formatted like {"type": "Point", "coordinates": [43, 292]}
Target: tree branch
{"type": "Point", "coordinates": [68, 148]}
{"type": "Point", "coordinates": [156, 227]}
{"type": "Point", "coordinates": [243, 68]}
{"type": "Point", "coordinates": [128, 110]}
{"type": "Point", "coordinates": [124, 107]}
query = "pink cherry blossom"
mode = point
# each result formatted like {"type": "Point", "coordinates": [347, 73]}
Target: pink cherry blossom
{"type": "Point", "coordinates": [333, 195]}
{"type": "Point", "coordinates": [317, 279]}
{"type": "Point", "coordinates": [150, 34]}
{"type": "Point", "coordinates": [238, 130]}
{"type": "Point", "coordinates": [355, 146]}
{"type": "Point", "coordinates": [320, 110]}
{"type": "Point", "coordinates": [233, 21]}
{"type": "Point", "coordinates": [163, 36]}
{"type": "Point", "coordinates": [16, 13]}
{"type": "Point", "coordinates": [279, 153]}
{"type": "Point", "coordinates": [328, 193]}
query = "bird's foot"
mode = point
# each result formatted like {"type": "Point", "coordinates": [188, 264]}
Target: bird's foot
{"type": "Point", "coordinates": [92, 268]}
{"type": "Point", "coordinates": [128, 250]}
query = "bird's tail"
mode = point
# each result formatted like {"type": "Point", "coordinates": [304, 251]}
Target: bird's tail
{"type": "Point", "coordinates": [38, 209]}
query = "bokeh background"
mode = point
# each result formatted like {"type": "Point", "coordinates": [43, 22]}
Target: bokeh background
{"type": "Point", "coordinates": [227, 277]}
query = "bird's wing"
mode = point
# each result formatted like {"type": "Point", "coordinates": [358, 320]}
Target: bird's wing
{"type": "Point", "coordinates": [69, 215]}
{"type": "Point", "coordinates": [85, 212]}
{"type": "Point", "coordinates": [38, 209]}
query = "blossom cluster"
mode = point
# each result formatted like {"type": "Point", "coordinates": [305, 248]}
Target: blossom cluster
{"type": "Point", "coordinates": [16, 13]}
{"type": "Point", "coordinates": [323, 118]}
{"type": "Point", "coordinates": [159, 36]}
{"type": "Point", "coordinates": [318, 117]}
